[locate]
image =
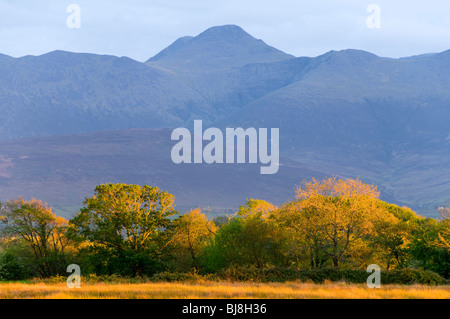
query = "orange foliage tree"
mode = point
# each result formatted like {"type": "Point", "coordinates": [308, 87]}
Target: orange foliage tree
{"type": "Point", "coordinates": [190, 233]}
{"type": "Point", "coordinates": [332, 216]}
{"type": "Point", "coordinates": [34, 223]}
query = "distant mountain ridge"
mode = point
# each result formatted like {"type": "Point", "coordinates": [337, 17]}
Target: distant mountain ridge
{"type": "Point", "coordinates": [216, 48]}
{"type": "Point", "coordinates": [348, 113]}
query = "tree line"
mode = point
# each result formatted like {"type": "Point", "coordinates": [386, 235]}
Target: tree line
{"type": "Point", "coordinates": [133, 230]}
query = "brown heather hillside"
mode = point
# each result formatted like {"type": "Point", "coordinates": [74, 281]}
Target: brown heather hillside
{"type": "Point", "coordinates": [64, 170]}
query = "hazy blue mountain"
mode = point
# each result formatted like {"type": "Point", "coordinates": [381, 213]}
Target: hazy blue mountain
{"type": "Point", "coordinates": [348, 113]}
{"type": "Point", "coordinates": [361, 115]}
{"type": "Point", "coordinates": [228, 67]}
{"type": "Point", "coordinates": [63, 93]}
{"type": "Point", "coordinates": [217, 48]}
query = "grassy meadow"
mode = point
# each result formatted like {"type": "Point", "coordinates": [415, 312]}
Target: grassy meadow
{"type": "Point", "coordinates": [218, 290]}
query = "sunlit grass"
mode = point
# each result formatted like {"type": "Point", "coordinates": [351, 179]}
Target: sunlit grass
{"type": "Point", "coordinates": [219, 290]}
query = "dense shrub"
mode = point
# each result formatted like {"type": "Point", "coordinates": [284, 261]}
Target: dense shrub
{"type": "Point", "coordinates": [12, 268]}
{"type": "Point", "coordinates": [276, 274]}
{"type": "Point", "coordinates": [177, 276]}
{"type": "Point", "coordinates": [413, 276]}
{"type": "Point", "coordinates": [405, 276]}
{"type": "Point", "coordinates": [107, 262]}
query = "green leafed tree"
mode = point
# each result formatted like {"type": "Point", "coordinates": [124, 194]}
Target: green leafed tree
{"type": "Point", "coordinates": [251, 238]}
{"type": "Point", "coordinates": [444, 229]}
{"type": "Point", "coordinates": [392, 234]}
{"type": "Point", "coordinates": [427, 249]}
{"type": "Point", "coordinates": [124, 226]}
{"type": "Point", "coordinates": [189, 235]}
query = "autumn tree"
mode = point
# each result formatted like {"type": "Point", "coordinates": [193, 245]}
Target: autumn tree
{"type": "Point", "coordinates": [332, 216]}
{"type": "Point", "coordinates": [256, 206]}
{"type": "Point", "coordinates": [33, 225]}
{"type": "Point", "coordinates": [392, 233]}
{"type": "Point", "coordinates": [124, 225]}
{"type": "Point", "coordinates": [190, 234]}
{"type": "Point", "coordinates": [306, 245]}
{"type": "Point", "coordinates": [260, 240]}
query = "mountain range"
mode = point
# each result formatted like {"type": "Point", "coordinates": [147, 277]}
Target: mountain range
{"type": "Point", "coordinates": [71, 121]}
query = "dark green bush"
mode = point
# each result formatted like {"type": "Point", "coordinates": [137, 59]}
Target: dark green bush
{"type": "Point", "coordinates": [13, 268]}
{"type": "Point", "coordinates": [277, 274]}
{"type": "Point", "coordinates": [177, 276]}
{"type": "Point", "coordinates": [410, 276]}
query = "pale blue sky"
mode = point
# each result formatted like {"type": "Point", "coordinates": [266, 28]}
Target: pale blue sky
{"type": "Point", "coordinates": [141, 28]}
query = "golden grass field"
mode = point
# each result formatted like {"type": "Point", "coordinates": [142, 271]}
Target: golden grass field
{"type": "Point", "coordinates": [218, 290]}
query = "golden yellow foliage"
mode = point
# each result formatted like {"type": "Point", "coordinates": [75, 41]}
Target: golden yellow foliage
{"type": "Point", "coordinates": [191, 232]}
{"type": "Point", "coordinates": [331, 216]}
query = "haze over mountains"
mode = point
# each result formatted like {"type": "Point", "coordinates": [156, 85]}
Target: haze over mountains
{"type": "Point", "coordinates": [348, 113]}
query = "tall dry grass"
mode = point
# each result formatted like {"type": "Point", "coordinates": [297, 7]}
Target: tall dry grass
{"type": "Point", "coordinates": [219, 290]}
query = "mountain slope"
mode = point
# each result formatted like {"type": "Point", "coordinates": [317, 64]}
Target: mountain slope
{"type": "Point", "coordinates": [63, 92]}
{"type": "Point", "coordinates": [217, 48]}
{"type": "Point", "coordinates": [356, 114]}
{"type": "Point", "coordinates": [66, 93]}
{"type": "Point", "coordinates": [63, 170]}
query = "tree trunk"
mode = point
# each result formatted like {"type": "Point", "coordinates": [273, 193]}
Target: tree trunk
{"type": "Point", "coordinates": [335, 262]}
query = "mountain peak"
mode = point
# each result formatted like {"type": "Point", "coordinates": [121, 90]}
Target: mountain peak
{"type": "Point", "coordinates": [217, 48]}
{"type": "Point", "coordinates": [225, 31]}
{"type": "Point", "coordinates": [351, 54]}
